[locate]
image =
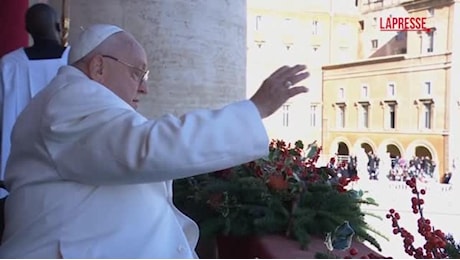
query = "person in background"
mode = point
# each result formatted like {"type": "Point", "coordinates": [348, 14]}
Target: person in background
{"type": "Point", "coordinates": [90, 177]}
{"type": "Point", "coordinates": [26, 71]}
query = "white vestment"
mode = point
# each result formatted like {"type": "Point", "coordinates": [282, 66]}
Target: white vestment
{"type": "Point", "coordinates": [89, 177]}
{"type": "Point", "coordinates": [20, 80]}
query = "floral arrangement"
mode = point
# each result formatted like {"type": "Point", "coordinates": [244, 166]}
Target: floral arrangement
{"type": "Point", "coordinates": [284, 193]}
{"type": "Point", "coordinates": [437, 244]}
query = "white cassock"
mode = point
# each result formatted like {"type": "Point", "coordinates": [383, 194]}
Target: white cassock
{"type": "Point", "coordinates": [20, 80]}
{"type": "Point", "coordinates": [89, 177]}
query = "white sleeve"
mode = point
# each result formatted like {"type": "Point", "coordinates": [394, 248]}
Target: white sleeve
{"type": "Point", "coordinates": [119, 146]}
{"type": "Point", "coordinates": [2, 102]}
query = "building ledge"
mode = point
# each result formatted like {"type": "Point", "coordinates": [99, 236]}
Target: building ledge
{"type": "Point", "coordinates": [428, 58]}
{"type": "Point", "coordinates": [363, 102]}
{"type": "Point", "coordinates": [368, 61]}
{"type": "Point", "coordinates": [426, 100]}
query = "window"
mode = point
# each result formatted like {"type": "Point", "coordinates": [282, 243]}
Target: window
{"type": "Point", "coordinates": [341, 94]}
{"type": "Point", "coordinates": [316, 57]}
{"type": "Point", "coordinates": [375, 44]}
{"type": "Point", "coordinates": [391, 90]}
{"type": "Point", "coordinates": [288, 25]}
{"type": "Point", "coordinates": [315, 27]}
{"type": "Point", "coordinates": [313, 115]}
{"type": "Point", "coordinates": [361, 25]}
{"type": "Point", "coordinates": [341, 116]}
{"type": "Point", "coordinates": [286, 115]}
{"type": "Point", "coordinates": [422, 42]}
{"type": "Point", "coordinates": [430, 35]}
{"type": "Point", "coordinates": [344, 54]}
{"type": "Point", "coordinates": [427, 88]}
{"type": "Point", "coordinates": [364, 116]}
{"type": "Point", "coordinates": [392, 116]}
{"type": "Point", "coordinates": [427, 115]}
{"type": "Point", "coordinates": [344, 30]}
{"type": "Point", "coordinates": [364, 92]}
{"type": "Point", "coordinates": [258, 22]}
{"type": "Point", "coordinates": [430, 12]}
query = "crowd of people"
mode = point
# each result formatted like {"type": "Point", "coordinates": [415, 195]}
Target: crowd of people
{"type": "Point", "coordinates": [419, 167]}
{"type": "Point", "coordinates": [393, 168]}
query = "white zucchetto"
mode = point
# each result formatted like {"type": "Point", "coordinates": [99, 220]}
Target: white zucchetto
{"type": "Point", "coordinates": [89, 39]}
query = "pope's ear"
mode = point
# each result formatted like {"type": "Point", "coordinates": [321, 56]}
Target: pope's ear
{"type": "Point", "coordinates": [96, 68]}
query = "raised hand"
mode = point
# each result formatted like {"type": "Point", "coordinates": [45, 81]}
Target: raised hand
{"type": "Point", "coordinates": [278, 88]}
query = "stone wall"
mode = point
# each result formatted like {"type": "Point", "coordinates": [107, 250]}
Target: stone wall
{"type": "Point", "coordinates": [196, 49]}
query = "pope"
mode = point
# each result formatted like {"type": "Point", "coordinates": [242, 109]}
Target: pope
{"type": "Point", "coordinates": [89, 177]}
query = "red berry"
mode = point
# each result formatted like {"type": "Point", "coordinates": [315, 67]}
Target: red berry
{"type": "Point", "coordinates": [397, 216]}
{"type": "Point", "coordinates": [353, 251]}
{"type": "Point", "coordinates": [415, 211]}
{"type": "Point", "coordinates": [392, 211]}
{"type": "Point", "coordinates": [422, 191]}
{"type": "Point", "coordinates": [438, 232]}
{"type": "Point", "coordinates": [395, 231]}
{"type": "Point", "coordinates": [388, 216]}
{"type": "Point", "coordinates": [442, 244]}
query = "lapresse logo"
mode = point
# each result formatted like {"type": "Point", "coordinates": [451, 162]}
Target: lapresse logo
{"type": "Point", "coordinates": [403, 24]}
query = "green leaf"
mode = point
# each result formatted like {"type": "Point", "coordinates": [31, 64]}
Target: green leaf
{"type": "Point", "coordinates": [371, 201]}
{"type": "Point", "coordinates": [299, 144]}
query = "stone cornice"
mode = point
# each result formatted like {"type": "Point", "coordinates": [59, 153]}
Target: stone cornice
{"type": "Point", "coordinates": [402, 64]}
{"type": "Point", "coordinates": [413, 5]}
{"type": "Point", "coordinates": [345, 131]}
{"type": "Point", "coordinates": [365, 62]}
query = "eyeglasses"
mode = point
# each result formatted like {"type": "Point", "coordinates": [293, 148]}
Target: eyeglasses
{"type": "Point", "coordinates": [144, 74]}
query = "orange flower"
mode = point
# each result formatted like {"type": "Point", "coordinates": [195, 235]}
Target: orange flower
{"type": "Point", "coordinates": [277, 182]}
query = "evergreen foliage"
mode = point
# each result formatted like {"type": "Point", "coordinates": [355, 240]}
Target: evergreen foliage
{"type": "Point", "coordinates": [452, 248]}
{"type": "Point", "coordinates": [284, 193]}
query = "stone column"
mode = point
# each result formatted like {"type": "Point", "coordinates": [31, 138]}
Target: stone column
{"type": "Point", "coordinates": [196, 49]}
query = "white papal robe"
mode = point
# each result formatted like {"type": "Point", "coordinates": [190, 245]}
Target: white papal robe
{"type": "Point", "coordinates": [20, 80]}
{"type": "Point", "coordinates": [89, 177]}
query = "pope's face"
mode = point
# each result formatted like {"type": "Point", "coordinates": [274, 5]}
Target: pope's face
{"type": "Point", "coordinates": [127, 73]}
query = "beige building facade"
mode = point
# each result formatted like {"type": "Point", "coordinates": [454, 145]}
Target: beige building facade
{"type": "Point", "coordinates": [310, 32]}
{"type": "Point", "coordinates": [402, 97]}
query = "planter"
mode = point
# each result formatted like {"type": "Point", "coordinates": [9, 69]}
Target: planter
{"type": "Point", "coordinates": [207, 248]}
{"type": "Point", "coordinates": [277, 246]}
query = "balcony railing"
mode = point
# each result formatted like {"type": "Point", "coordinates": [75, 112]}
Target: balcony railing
{"type": "Point", "coordinates": [373, 5]}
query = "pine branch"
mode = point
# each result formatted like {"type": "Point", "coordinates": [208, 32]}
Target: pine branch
{"type": "Point", "coordinates": [367, 213]}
